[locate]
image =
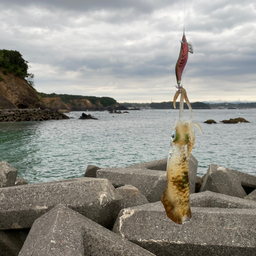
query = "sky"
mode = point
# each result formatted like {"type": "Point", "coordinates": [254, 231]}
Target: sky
{"type": "Point", "coordinates": [128, 49]}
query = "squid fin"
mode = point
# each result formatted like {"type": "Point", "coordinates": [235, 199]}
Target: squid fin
{"type": "Point", "coordinates": [171, 209]}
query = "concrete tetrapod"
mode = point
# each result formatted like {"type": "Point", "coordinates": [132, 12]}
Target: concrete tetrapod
{"type": "Point", "coordinates": [227, 181]}
{"type": "Point", "coordinates": [63, 231]}
{"type": "Point", "coordinates": [97, 199]}
{"type": "Point", "coordinates": [211, 231]}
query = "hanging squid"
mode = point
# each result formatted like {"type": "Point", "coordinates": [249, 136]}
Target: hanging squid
{"type": "Point", "coordinates": [176, 196]}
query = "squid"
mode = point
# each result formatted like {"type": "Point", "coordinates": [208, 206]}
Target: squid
{"type": "Point", "coordinates": [175, 198]}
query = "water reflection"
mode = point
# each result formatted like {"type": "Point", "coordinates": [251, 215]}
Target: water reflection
{"type": "Point", "coordinates": [17, 144]}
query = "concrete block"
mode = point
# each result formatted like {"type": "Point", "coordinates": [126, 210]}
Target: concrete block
{"type": "Point", "coordinates": [20, 181]}
{"type": "Point", "coordinates": [151, 183]}
{"type": "Point", "coordinates": [152, 165]}
{"type": "Point", "coordinates": [63, 231]}
{"type": "Point", "coordinates": [11, 241]}
{"type": "Point", "coordinates": [192, 165]}
{"type": "Point", "coordinates": [97, 199]}
{"type": "Point", "coordinates": [212, 199]}
{"type": "Point", "coordinates": [131, 196]}
{"type": "Point", "coordinates": [162, 164]}
{"type": "Point", "coordinates": [91, 171]}
{"type": "Point", "coordinates": [211, 231]}
{"type": "Point", "coordinates": [252, 195]}
{"type": "Point", "coordinates": [227, 181]}
{"type": "Point", "coordinates": [8, 174]}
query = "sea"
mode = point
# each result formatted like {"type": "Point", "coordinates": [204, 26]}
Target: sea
{"type": "Point", "coordinates": [62, 149]}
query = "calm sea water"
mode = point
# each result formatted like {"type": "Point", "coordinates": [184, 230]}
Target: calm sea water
{"type": "Point", "coordinates": [54, 150]}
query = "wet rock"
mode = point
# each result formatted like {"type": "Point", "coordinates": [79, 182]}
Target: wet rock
{"type": "Point", "coordinates": [210, 121]}
{"type": "Point", "coordinates": [211, 231]}
{"type": "Point", "coordinates": [227, 181]}
{"type": "Point", "coordinates": [63, 231]}
{"type": "Point", "coordinates": [235, 120]}
{"type": "Point", "coordinates": [8, 174]}
{"type": "Point", "coordinates": [97, 199]}
{"type": "Point", "coordinates": [89, 116]}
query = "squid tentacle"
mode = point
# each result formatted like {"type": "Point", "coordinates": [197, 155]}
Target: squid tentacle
{"type": "Point", "coordinates": [183, 96]}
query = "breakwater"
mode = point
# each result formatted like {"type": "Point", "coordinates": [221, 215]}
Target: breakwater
{"type": "Point", "coordinates": [117, 211]}
{"type": "Point", "coordinates": [19, 115]}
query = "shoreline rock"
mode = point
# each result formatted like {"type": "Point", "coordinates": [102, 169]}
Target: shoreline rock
{"type": "Point", "coordinates": [85, 117]}
{"type": "Point", "coordinates": [235, 120]}
{"type": "Point", "coordinates": [20, 115]}
{"type": "Point", "coordinates": [210, 121]}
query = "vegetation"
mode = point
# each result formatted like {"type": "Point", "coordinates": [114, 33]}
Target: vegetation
{"type": "Point", "coordinates": [165, 105]}
{"type": "Point", "coordinates": [12, 62]}
{"type": "Point", "coordinates": [233, 105]}
{"type": "Point", "coordinates": [68, 98]}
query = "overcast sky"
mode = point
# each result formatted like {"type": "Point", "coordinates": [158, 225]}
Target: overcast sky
{"type": "Point", "coordinates": [128, 49]}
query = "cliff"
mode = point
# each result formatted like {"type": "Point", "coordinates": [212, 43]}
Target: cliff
{"type": "Point", "coordinates": [15, 92]}
{"type": "Point", "coordinates": [78, 102]}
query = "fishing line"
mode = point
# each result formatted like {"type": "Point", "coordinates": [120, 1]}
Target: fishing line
{"type": "Point", "coordinates": [184, 15]}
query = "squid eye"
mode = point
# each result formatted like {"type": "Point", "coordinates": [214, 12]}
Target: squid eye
{"type": "Point", "coordinates": [174, 135]}
{"type": "Point", "coordinates": [186, 138]}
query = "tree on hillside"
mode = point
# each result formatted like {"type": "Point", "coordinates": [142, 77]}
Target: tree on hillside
{"type": "Point", "coordinates": [13, 62]}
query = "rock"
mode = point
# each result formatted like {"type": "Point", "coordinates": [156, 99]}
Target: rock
{"type": "Point", "coordinates": [151, 183]}
{"type": "Point", "coordinates": [89, 116]}
{"type": "Point", "coordinates": [211, 231]}
{"type": "Point", "coordinates": [252, 195]}
{"type": "Point", "coordinates": [8, 174]}
{"type": "Point", "coordinates": [235, 121]}
{"type": "Point", "coordinates": [20, 181]}
{"type": "Point", "coordinates": [212, 199]}
{"type": "Point", "coordinates": [97, 199]}
{"type": "Point", "coordinates": [17, 115]}
{"type": "Point", "coordinates": [63, 231]}
{"type": "Point", "coordinates": [210, 121]}
{"type": "Point", "coordinates": [91, 171]}
{"type": "Point", "coordinates": [131, 196]}
{"type": "Point", "coordinates": [227, 181]}
{"type": "Point", "coordinates": [11, 241]}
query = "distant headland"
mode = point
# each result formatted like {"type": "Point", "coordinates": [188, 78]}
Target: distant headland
{"type": "Point", "coordinates": [17, 91]}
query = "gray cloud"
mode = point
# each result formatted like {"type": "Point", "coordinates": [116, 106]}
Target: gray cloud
{"type": "Point", "coordinates": [128, 49]}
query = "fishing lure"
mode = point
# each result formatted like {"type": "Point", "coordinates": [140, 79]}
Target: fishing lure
{"type": "Point", "coordinates": [180, 65]}
{"type": "Point", "coordinates": [176, 196]}
{"type": "Point", "coordinates": [183, 58]}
